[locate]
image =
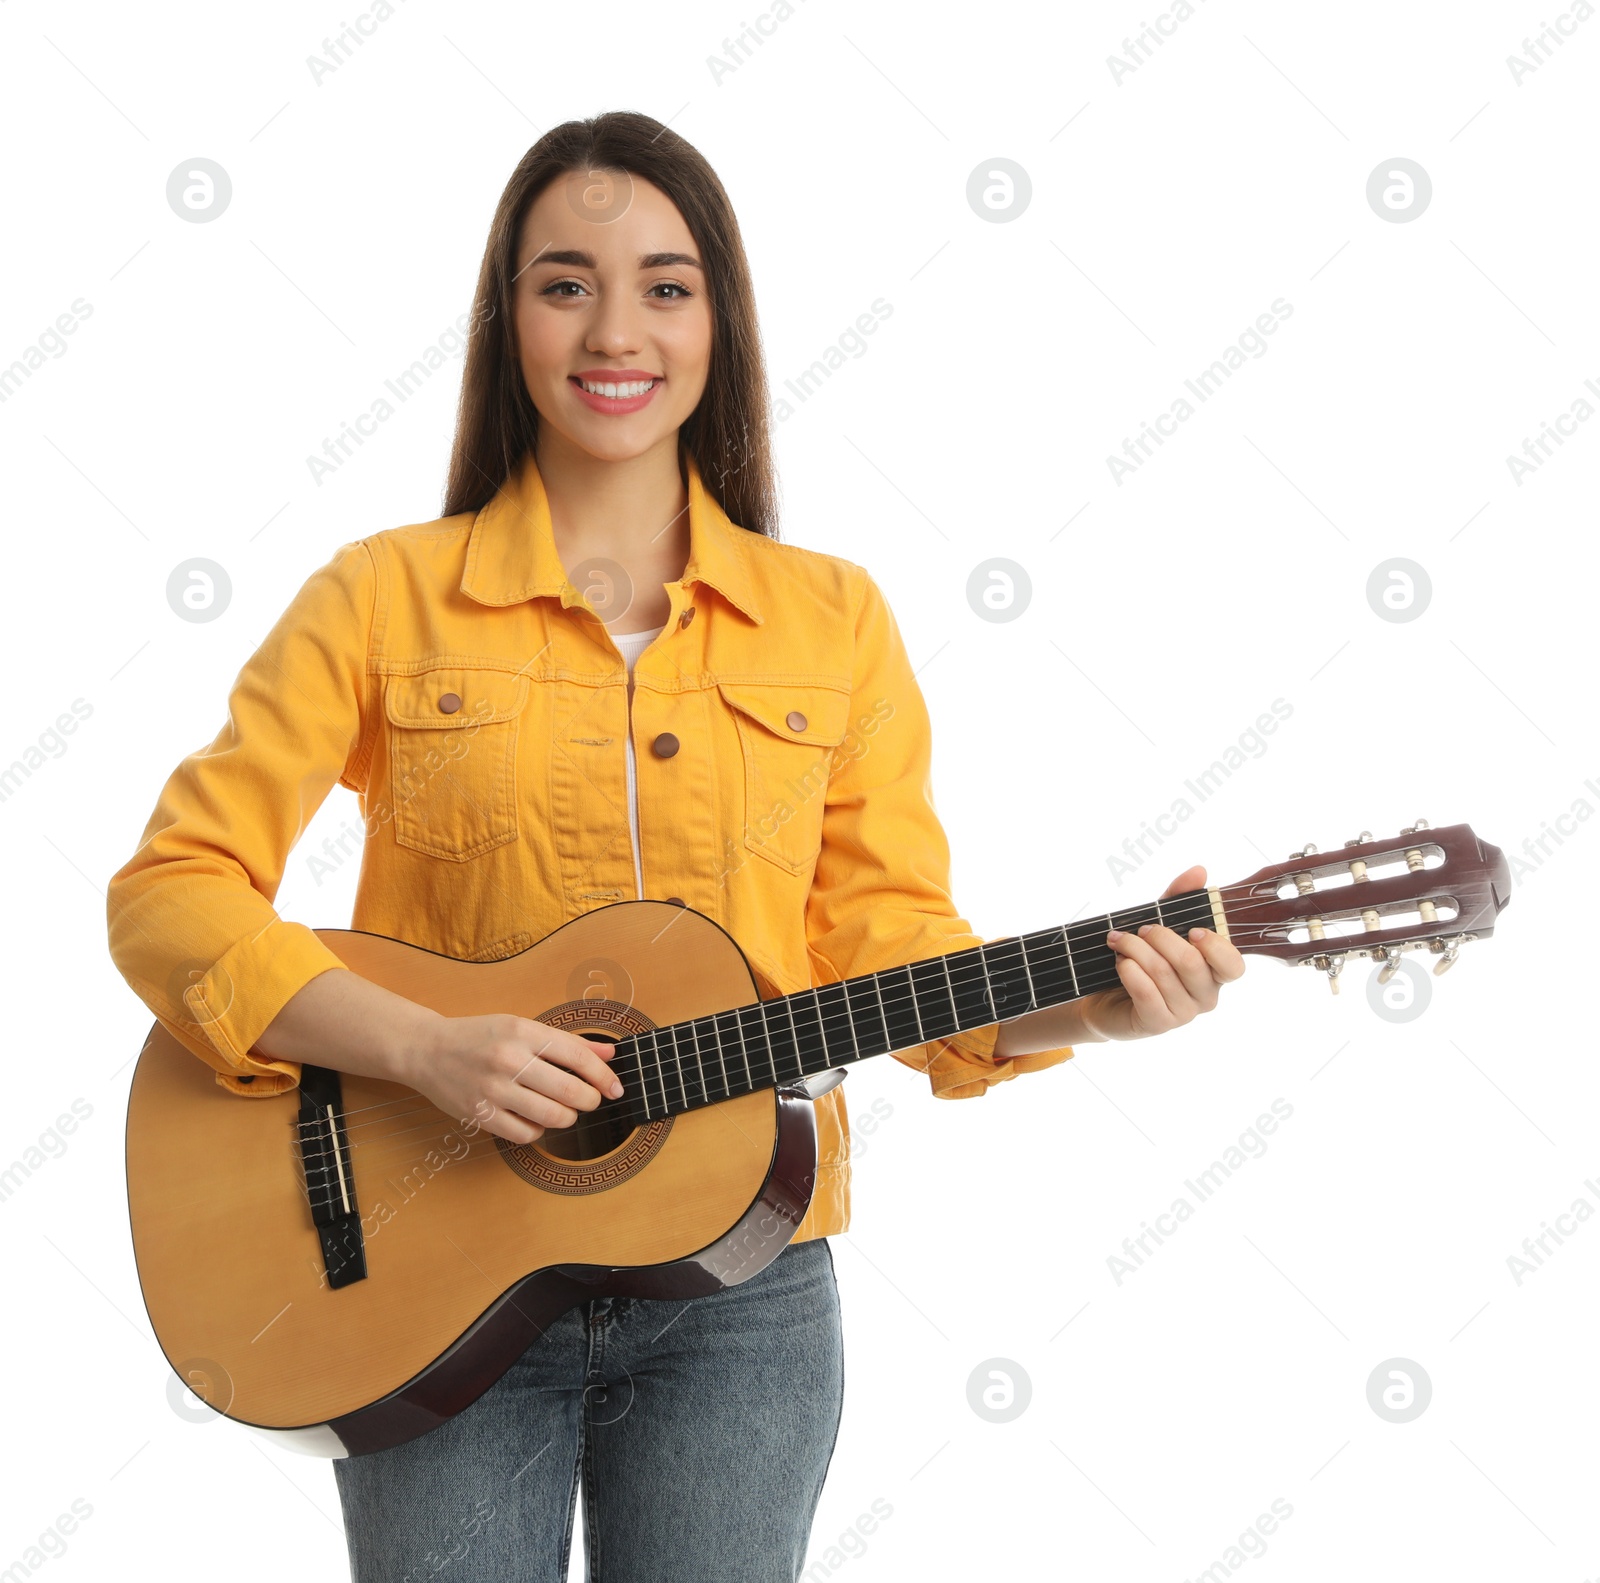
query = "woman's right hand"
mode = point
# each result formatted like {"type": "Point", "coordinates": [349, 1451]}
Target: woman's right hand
{"type": "Point", "coordinates": [514, 1076]}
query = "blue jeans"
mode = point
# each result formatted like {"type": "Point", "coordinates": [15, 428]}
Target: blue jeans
{"type": "Point", "coordinates": [701, 1432]}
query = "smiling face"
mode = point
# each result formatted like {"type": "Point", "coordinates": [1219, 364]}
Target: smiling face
{"type": "Point", "coordinates": [613, 316]}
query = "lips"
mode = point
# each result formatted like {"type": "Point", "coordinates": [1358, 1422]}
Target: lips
{"type": "Point", "coordinates": [625, 378]}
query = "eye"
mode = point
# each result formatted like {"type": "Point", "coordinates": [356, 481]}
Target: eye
{"type": "Point", "coordinates": [672, 285]}
{"type": "Point", "coordinates": [554, 288]}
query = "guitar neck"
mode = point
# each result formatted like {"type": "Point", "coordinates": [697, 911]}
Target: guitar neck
{"type": "Point", "coordinates": [684, 1065]}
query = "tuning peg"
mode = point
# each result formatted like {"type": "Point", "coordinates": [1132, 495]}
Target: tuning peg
{"type": "Point", "coordinates": [1449, 950]}
{"type": "Point", "coordinates": [1305, 851]}
{"type": "Point", "coordinates": [1391, 963]}
{"type": "Point", "coordinates": [1331, 965]}
{"type": "Point", "coordinates": [1411, 829]}
{"type": "Point", "coordinates": [1365, 836]}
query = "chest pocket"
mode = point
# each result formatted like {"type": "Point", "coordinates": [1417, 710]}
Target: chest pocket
{"type": "Point", "coordinates": [787, 735]}
{"type": "Point", "coordinates": [452, 759]}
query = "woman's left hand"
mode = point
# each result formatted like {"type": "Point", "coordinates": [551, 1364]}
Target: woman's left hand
{"type": "Point", "coordinates": [1167, 980]}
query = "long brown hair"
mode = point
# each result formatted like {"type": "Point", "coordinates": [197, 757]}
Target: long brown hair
{"type": "Point", "coordinates": [727, 434]}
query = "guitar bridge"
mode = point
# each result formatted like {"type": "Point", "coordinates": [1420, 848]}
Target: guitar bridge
{"type": "Point", "coordinates": [330, 1182]}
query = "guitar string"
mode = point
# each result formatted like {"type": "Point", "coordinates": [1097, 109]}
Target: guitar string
{"type": "Point", "coordinates": [697, 1057]}
{"type": "Point", "coordinates": [641, 1064]}
{"type": "Point", "coordinates": [692, 1093]}
{"type": "Point", "coordinates": [992, 946]}
{"type": "Point", "coordinates": [897, 997]}
{"type": "Point", "coordinates": [895, 1001]}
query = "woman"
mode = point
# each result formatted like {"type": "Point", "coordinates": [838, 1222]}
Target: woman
{"type": "Point", "coordinates": [597, 677]}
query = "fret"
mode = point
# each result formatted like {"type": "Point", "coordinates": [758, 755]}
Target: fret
{"type": "Point", "coordinates": [728, 1073]}
{"type": "Point", "coordinates": [916, 1010]}
{"type": "Point", "coordinates": [744, 1049]}
{"type": "Point", "coordinates": [772, 1040]}
{"type": "Point", "coordinates": [750, 1034]}
{"type": "Point", "coordinates": [950, 990]}
{"type": "Point", "coordinates": [1094, 959]}
{"type": "Point", "coordinates": [661, 1079]}
{"type": "Point", "coordinates": [814, 1047]}
{"type": "Point", "coordinates": [799, 1054]}
{"type": "Point", "coordinates": [689, 1058]}
{"type": "Point", "coordinates": [1049, 968]}
{"type": "Point", "coordinates": [638, 1058]}
{"type": "Point", "coordinates": [970, 990]}
{"type": "Point", "coordinates": [868, 985]}
{"type": "Point", "coordinates": [930, 983]}
{"type": "Point", "coordinates": [698, 1065]}
{"type": "Point", "coordinates": [884, 1018]}
{"type": "Point", "coordinates": [626, 1048]}
{"type": "Point", "coordinates": [1066, 951]}
{"type": "Point", "coordinates": [838, 1029]}
{"type": "Point", "coordinates": [988, 988]}
{"type": "Point", "coordinates": [1097, 969]}
{"type": "Point", "coordinates": [1010, 991]}
{"type": "Point", "coordinates": [1033, 994]}
{"type": "Point", "coordinates": [677, 1056]}
{"type": "Point", "coordinates": [898, 1011]}
{"type": "Point", "coordinates": [722, 1064]}
{"type": "Point", "coordinates": [776, 1050]}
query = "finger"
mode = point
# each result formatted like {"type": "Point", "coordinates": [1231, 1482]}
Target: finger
{"type": "Point", "coordinates": [578, 1057]}
{"type": "Point", "coordinates": [1175, 996]}
{"type": "Point", "coordinates": [1190, 879]}
{"type": "Point", "coordinates": [1222, 956]}
{"type": "Point", "coordinates": [508, 1125]}
{"type": "Point", "coordinates": [582, 1058]}
{"type": "Point", "coordinates": [538, 1089]}
{"type": "Point", "coordinates": [1150, 1013]}
{"type": "Point", "coordinates": [1187, 962]}
{"type": "Point", "coordinates": [538, 1106]}
{"type": "Point", "coordinates": [557, 1085]}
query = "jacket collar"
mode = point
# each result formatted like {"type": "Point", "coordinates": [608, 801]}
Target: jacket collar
{"type": "Point", "coordinates": [511, 555]}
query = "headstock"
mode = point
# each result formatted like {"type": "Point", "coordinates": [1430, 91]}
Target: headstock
{"type": "Point", "coordinates": [1434, 888]}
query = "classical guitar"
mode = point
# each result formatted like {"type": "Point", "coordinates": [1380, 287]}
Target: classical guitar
{"type": "Point", "coordinates": [346, 1266]}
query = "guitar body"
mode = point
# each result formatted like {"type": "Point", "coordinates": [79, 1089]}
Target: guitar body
{"type": "Point", "coordinates": [470, 1247]}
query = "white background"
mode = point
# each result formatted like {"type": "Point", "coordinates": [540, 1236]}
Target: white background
{"type": "Point", "coordinates": [1167, 612]}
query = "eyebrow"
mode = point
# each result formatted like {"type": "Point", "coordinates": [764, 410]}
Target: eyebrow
{"type": "Point", "coordinates": [586, 260]}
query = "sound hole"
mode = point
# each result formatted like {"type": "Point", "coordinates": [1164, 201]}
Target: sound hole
{"type": "Point", "coordinates": [594, 1133]}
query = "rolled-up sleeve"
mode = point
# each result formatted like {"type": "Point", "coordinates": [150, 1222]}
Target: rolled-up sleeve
{"type": "Point", "coordinates": [881, 893]}
{"type": "Point", "coordinates": [190, 915]}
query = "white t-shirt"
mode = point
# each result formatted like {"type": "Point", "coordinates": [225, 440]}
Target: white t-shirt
{"type": "Point", "coordinates": [633, 644]}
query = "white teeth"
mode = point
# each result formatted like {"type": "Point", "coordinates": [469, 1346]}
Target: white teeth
{"type": "Point", "coordinates": [636, 387]}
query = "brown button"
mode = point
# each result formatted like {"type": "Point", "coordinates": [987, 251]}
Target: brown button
{"type": "Point", "coordinates": [664, 745]}
{"type": "Point", "coordinates": [677, 901]}
{"type": "Point", "coordinates": [797, 721]}
{"type": "Point", "coordinates": [686, 617]}
{"type": "Point", "coordinates": [449, 703]}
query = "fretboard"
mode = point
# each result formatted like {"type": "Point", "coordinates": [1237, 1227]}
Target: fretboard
{"type": "Point", "coordinates": [684, 1065]}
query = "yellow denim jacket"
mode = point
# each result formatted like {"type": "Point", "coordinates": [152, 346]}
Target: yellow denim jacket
{"type": "Point", "coordinates": [780, 671]}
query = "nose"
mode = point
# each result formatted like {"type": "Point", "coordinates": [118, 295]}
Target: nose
{"type": "Point", "coordinates": [614, 331]}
